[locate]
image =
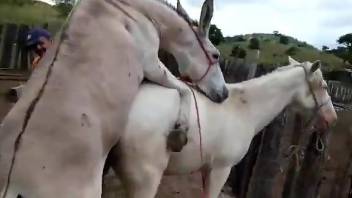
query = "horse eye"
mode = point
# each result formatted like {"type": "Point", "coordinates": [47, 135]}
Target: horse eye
{"type": "Point", "coordinates": [216, 56]}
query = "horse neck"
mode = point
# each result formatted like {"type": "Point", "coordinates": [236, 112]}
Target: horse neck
{"type": "Point", "coordinates": [264, 98]}
{"type": "Point", "coordinates": [163, 16]}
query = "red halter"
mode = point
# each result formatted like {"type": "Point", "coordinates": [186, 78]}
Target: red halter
{"type": "Point", "coordinates": [210, 62]}
{"type": "Point", "coordinates": [188, 81]}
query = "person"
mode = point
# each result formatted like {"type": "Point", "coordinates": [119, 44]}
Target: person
{"type": "Point", "coordinates": [38, 41]}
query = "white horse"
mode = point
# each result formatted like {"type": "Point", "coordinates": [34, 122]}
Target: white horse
{"type": "Point", "coordinates": [54, 141]}
{"type": "Point", "coordinates": [227, 128]}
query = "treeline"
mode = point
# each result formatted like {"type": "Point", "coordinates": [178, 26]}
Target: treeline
{"type": "Point", "coordinates": [345, 50]}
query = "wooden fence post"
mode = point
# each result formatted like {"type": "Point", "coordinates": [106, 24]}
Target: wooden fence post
{"type": "Point", "coordinates": [241, 173]}
{"type": "Point", "coordinates": [310, 174]}
{"type": "Point", "coordinates": [13, 52]}
{"type": "Point", "coordinates": [236, 71]}
{"type": "Point", "coordinates": [7, 52]}
{"type": "Point", "coordinates": [293, 161]}
{"type": "Point", "coordinates": [267, 166]}
{"type": "Point", "coordinates": [2, 41]}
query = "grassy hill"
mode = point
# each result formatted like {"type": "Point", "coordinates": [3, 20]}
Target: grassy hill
{"type": "Point", "coordinates": [274, 53]}
{"type": "Point", "coordinates": [32, 14]}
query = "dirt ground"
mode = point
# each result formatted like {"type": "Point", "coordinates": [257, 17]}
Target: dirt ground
{"type": "Point", "coordinates": [188, 186]}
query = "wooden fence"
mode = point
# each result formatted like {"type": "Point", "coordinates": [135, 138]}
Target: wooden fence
{"type": "Point", "coordinates": [340, 92]}
{"type": "Point", "coordinates": [13, 54]}
{"type": "Point", "coordinates": [285, 160]}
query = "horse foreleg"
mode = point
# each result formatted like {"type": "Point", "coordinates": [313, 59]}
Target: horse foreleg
{"type": "Point", "coordinates": [214, 181]}
{"type": "Point", "coordinates": [163, 76]}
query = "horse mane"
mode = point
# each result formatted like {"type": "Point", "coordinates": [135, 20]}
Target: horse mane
{"type": "Point", "coordinates": [184, 16]}
{"type": "Point", "coordinates": [316, 76]}
{"type": "Point", "coordinates": [269, 74]}
{"type": "Point", "coordinates": [284, 68]}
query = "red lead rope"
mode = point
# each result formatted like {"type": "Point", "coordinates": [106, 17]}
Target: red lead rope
{"type": "Point", "coordinates": [200, 139]}
{"type": "Point", "coordinates": [188, 81]}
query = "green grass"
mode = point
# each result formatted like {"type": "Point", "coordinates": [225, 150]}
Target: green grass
{"type": "Point", "coordinates": [29, 14]}
{"type": "Point", "coordinates": [274, 53]}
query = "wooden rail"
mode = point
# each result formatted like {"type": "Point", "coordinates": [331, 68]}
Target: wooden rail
{"type": "Point", "coordinates": [340, 92]}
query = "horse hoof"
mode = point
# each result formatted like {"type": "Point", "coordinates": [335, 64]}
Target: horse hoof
{"type": "Point", "coordinates": [176, 140]}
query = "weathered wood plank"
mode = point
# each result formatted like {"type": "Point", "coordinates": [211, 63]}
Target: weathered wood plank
{"type": "Point", "coordinates": [267, 167]}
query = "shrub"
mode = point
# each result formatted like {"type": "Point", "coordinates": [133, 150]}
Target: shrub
{"type": "Point", "coordinates": [254, 43]}
{"type": "Point", "coordinates": [64, 9]}
{"type": "Point", "coordinates": [284, 40]}
{"type": "Point", "coordinates": [235, 51]}
{"type": "Point", "coordinates": [238, 52]}
{"type": "Point", "coordinates": [242, 53]}
{"type": "Point", "coordinates": [239, 38]}
{"type": "Point", "coordinates": [292, 51]}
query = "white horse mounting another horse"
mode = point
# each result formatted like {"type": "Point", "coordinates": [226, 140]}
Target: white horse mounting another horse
{"type": "Point", "coordinates": [227, 128]}
{"type": "Point", "coordinates": [54, 141]}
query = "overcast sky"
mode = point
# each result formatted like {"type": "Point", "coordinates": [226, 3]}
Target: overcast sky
{"type": "Point", "coordinates": [318, 22]}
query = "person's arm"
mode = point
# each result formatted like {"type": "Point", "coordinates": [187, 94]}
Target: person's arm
{"type": "Point", "coordinates": [35, 62]}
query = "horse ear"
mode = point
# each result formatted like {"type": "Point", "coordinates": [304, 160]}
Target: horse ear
{"type": "Point", "coordinates": [180, 9]}
{"type": "Point", "coordinates": [292, 61]}
{"type": "Point", "coordinates": [315, 66]}
{"type": "Point", "coordinates": [205, 17]}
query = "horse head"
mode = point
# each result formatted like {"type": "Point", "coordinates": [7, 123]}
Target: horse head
{"type": "Point", "coordinates": [197, 57]}
{"type": "Point", "coordinates": [314, 94]}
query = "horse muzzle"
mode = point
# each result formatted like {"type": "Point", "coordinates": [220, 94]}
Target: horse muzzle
{"type": "Point", "coordinates": [219, 97]}
{"type": "Point", "coordinates": [326, 120]}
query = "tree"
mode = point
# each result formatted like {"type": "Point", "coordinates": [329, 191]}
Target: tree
{"type": "Point", "coordinates": [215, 35]}
{"type": "Point", "coordinates": [346, 40]}
{"type": "Point", "coordinates": [284, 40]}
{"type": "Point", "coordinates": [325, 48]}
{"type": "Point", "coordinates": [254, 44]}
{"type": "Point", "coordinates": [342, 52]}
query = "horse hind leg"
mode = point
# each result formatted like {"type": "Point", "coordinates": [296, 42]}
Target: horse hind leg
{"type": "Point", "coordinates": [142, 183]}
{"type": "Point", "coordinates": [140, 171]}
{"type": "Point", "coordinates": [215, 180]}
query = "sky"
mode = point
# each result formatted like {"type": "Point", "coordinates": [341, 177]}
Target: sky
{"type": "Point", "coordinates": [50, 2]}
{"type": "Point", "coordinates": [318, 22]}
